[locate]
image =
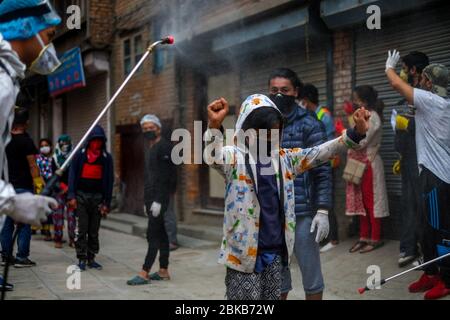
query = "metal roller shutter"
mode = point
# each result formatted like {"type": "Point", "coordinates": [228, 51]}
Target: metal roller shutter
{"type": "Point", "coordinates": [426, 31]}
{"type": "Point", "coordinates": [255, 73]}
{"type": "Point", "coordinates": [84, 105]}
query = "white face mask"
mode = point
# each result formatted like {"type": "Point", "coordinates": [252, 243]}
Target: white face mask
{"type": "Point", "coordinates": [45, 150]}
{"type": "Point", "coordinates": [47, 61]}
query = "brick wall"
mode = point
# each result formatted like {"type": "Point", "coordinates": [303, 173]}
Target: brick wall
{"type": "Point", "coordinates": [342, 88]}
{"type": "Point", "coordinates": [146, 92]}
{"type": "Point", "coordinates": [101, 22]}
{"type": "Point", "coordinates": [190, 174]}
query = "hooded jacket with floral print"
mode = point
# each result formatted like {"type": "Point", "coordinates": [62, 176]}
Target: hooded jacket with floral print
{"type": "Point", "coordinates": [241, 219]}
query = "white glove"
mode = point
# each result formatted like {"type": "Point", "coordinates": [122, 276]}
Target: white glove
{"type": "Point", "coordinates": [155, 209]}
{"type": "Point", "coordinates": [323, 226]}
{"type": "Point", "coordinates": [392, 59]}
{"type": "Point", "coordinates": [32, 209]}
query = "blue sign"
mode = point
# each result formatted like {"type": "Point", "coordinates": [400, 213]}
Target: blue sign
{"type": "Point", "coordinates": [69, 76]}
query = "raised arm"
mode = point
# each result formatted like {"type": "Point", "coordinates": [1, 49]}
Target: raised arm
{"type": "Point", "coordinates": [375, 125]}
{"type": "Point", "coordinates": [216, 154]}
{"type": "Point", "coordinates": [305, 159]}
{"type": "Point", "coordinates": [396, 82]}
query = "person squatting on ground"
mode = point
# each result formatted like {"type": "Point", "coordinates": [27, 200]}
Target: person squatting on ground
{"type": "Point", "coordinates": [432, 122]}
{"type": "Point", "coordinates": [25, 42]}
{"type": "Point", "coordinates": [62, 151]}
{"type": "Point", "coordinates": [158, 186]}
{"type": "Point", "coordinates": [91, 180]}
{"type": "Point", "coordinates": [309, 99]}
{"type": "Point", "coordinates": [412, 221]}
{"type": "Point", "coordinates": [368, 198]}
{"type": "Point", "coordinates": [259, 217]}
{"type": "Point", "coordinates": [303, 130]}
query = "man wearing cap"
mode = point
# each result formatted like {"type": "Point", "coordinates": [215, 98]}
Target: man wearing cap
{"type": "Point", "coordinates": [433, 156]}
{"type": "Point", "coordinates": [27, 28]}
{"type": "Point", "coordinates": [158, 185]}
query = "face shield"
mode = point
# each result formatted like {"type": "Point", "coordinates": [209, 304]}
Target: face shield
{"type": "Point", "coordinates": [51, 14]}
{"type": "Point", "coordinates": [20, 20]}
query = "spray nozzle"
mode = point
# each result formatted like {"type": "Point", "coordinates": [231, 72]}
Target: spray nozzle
{"type": "Point", "coordinates": [168, 40]}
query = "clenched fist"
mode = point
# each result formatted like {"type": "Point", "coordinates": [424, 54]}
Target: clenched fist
{"type": "Point", "coordinates": [361, 118]}
{"type": "Point", "coordinates": [217, 111]}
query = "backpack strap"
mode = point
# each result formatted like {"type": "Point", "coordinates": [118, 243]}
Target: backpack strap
{"type": "Point", "coordinates": [322, 112]}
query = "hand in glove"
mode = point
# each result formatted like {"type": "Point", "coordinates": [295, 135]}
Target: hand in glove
{"type": "Point", "coordinates": [392, 59]}
{"type": "Point", "coordinates": [155, 209]}
{"type": "Point", "coordinates": [32, 209]}
{"type": "Point", "coordinates": [323, 226]}
{"type": "Point", "coordinates": [401, 123]}
{"type": "Point", "coordinates": [396, 168]}
{"type": "Point", "coordinates": [39, 184]}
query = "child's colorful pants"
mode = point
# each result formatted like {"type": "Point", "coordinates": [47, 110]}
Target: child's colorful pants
{"type": "Point", "coordinates": [58, 219]}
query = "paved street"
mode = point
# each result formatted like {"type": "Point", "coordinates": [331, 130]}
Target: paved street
{"type": "Point", "coordinates": [195, 273]}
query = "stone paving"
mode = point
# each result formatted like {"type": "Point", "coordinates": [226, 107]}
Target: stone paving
{"type": "Point", "coordinates": [195, 273]}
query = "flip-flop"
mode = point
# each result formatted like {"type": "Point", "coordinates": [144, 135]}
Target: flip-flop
{"type": "Point", "coordinates": [137, 281]}
{"type": "Point", "coordinates": [155, 276]}
{"type": "Point", "coordinates": [371, 246]}
{"type": "Point", "coordinates": [358, 246]}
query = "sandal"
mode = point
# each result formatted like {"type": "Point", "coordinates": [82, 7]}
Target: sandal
{"type": "Point", "coordinates": [358, 246]}
{"type": "Point", "coordinates": [155, 276]}
{"type": "Point", "coordinates": [137, 281]}
{"type": "Point", "coordinates": [372, 246]}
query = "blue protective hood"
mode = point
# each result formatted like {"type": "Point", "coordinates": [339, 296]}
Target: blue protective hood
{"type": "Point", "coordinates": [23, 19]}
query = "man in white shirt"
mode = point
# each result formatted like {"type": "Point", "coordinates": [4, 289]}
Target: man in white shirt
{"type": "Point", "coordinates": [433, 155]}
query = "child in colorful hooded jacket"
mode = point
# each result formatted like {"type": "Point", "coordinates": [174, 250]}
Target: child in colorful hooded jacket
{"type": "Point", "coordinates": [259, 220]}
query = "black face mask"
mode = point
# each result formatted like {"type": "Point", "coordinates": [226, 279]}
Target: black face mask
{"type": "Point", "coordinates": [284, 102]}
{"type": "Point", "coordinates": [150, 135]}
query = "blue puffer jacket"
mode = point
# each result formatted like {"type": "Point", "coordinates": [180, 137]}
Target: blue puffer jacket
{"type": "Point", "coordinates": [313, 189]}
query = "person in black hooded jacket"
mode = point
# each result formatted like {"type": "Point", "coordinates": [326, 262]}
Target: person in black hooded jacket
{"type": "Point", "coordinates": [91, 179]}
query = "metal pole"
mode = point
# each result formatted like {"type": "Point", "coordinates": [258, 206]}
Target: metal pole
{"type": "Point", "coordinates": [50, 186]}
{"type": "Point", "coordinates": [8, 261]}
{"type": "Point", "coordinates": [105, 109]}
{"type": "Point", "coordinates": [383, 281]}
{"type": "Point", "coordinates": [418, 267]}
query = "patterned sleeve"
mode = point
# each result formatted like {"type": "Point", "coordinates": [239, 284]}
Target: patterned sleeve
{"type": "Point", "coordinates": [306, 159]}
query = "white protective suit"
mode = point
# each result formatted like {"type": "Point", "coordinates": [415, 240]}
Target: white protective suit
{"type": "Point", "coordinates": [25, 208]}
